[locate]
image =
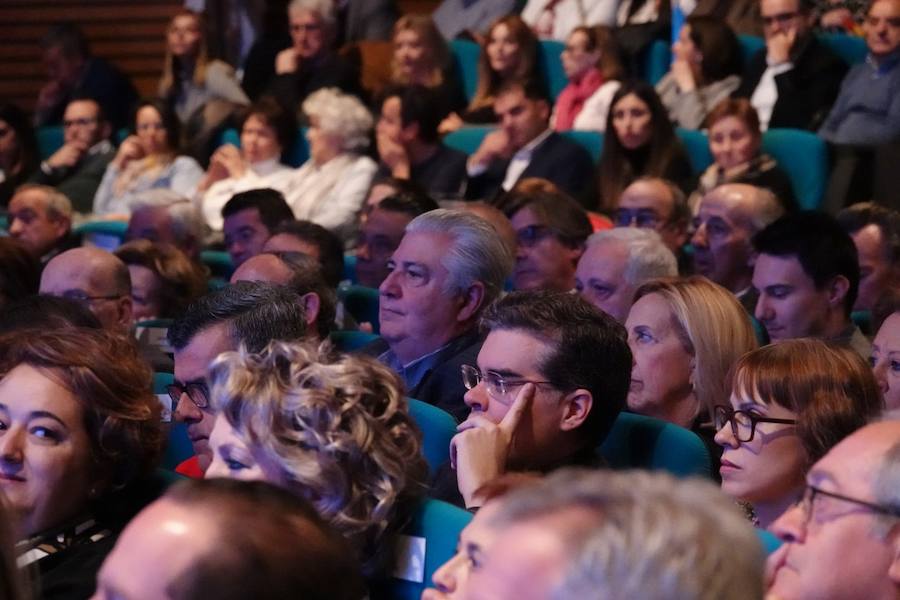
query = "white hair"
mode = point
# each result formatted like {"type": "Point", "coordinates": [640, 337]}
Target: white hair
{"type": "Point", "coordinates": [648, 257]}
{"type": "Point", "coordinates": [648, 536]}
{"type": "Point", "coordinates": [342, 115]}
{"type": "Point", "coordinates": [187, 222]}
{"type": "Point", "coordinates": [56, 203]}
{"type": "Point", "coordinates": [323, 8]}
{"type": "Point", "coordinates": [477, 253]}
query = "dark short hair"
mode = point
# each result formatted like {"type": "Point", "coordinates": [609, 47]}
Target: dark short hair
{"type": "Point", "coordinates": [101, 114]}
{"type": "Point", "coordinates": [556, 209]}
{"type": "Point", "coordinates": [855, 217]}
{"type": "Point", "coordinates": [331, 248]}
{"type": "Point", "coordinates": [283, 122]}
{"type": "Point", "coordinates": [69, 38]}
{"type": "Point", "coordinates": [273, 208]}
{"type": "Point", "coordinates": [168, 117]}
{"type": "Point", "coordinates": [718, 46]}
{"type": "Point", "coordinates": [48, 313]}
{"type": "Point", "coordinates": [20, 274]}
{"type": "Point", "coordinates": [256, 313]}
{"type": "Point", "coordinates": [409, 202]}
{"type": "Point", "coordinates": [308, 277]}
{"type": "Point", "coordinates": [19, 121]}
{"type": "Point", "coordinates": [532, 87]}
{"type": "Point", "coordinates": [822, 247]}
{"type": "Point", "coordinates": [271, 545]}
{"type": "Point", "coordinates": [590, 349]}
{"type": "Point", "coordinates": [417, 104]}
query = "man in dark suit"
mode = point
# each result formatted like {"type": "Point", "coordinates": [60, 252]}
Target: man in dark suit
{"type": "Point", "coordinates": [793, 81]}
{"type": "Point", "coordinates": [448, 268]}
{"type": "Point", "coordinates": [524, 146]}
{"type": "Point", "coordinates": [77, 168]}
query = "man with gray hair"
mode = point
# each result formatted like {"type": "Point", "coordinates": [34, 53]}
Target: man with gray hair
{"type": "Point", "coordinates": [842, 540]}
{"type": "Point", "coordinates": [448, 268]}
{"type": "Point", "coordinates": [40, 217]}
{"type": "Point", "coordinates": [728, 218]}
{"type": "Point", "coordinates": [162, 215]}
{"type": "Point", "coordinates": [248, 313]}
{"type": "Point", "coordinates": [596, 535]}
{"type": "Point", "coordinates": [616, 262]}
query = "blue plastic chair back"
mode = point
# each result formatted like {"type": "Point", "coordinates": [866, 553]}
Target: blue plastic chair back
{"type": "Point", "coordinates": [295, 156]}
{"type": "Point", "coordinates": [849, 48]}
{"type": "Point", "coordinates": [804, 157]}
{"type": "Point", "coordinates": [697, 146]}
{"type": "Point", "coordinates": [769, 542]}
{"type": "Point", "coordinates": [349, 273]}
{"type": "Point", "coordinates": [438, 428]}
{"type": "Point", "coordinates": [657, 60]}
{"type": "Point", "coordinates": [440, 524]}
{"type": "Point", "coordinates": [50, 138]}
{"type": "Point", "coordinates": [362, 304]}
{"type": "Point", "coordinates": [103, 234]}
{"type": "Point", "coordinates": [467, 139]}
{"type": "Point", "coordinates": [465, 54]}
{"type": "Point", "coordinates": [750, 45]}
{"type": "Point", "coordinates": [592, 141]}
{"type": "Point", "coordinates": [350, 340]}
{"type": "Point", "coordinates": [219, 263]}
{"type": "Point", "coordinates": [550, 67]}
{"type": "Point", "coordinates": [639, 442]}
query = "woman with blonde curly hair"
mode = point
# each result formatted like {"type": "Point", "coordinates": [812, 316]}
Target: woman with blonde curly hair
{"type": "Point", "coordinates": [684, 334]}
{"type": "Point", "coordinates": [330, 188]}
{"type": "Point", "coordinates": [333, 429]}
{"type": "Point", "coordinates": [791, 402]}
{"type": "Point", "coordinates": [79, 436]}
{"type": "Point", "coordinates": [163, 279]}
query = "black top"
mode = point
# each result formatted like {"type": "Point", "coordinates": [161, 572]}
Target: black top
{"type": "Point", "coordinates": [291, 89]}
{"type": "Point", "coordinates": [443, 175]}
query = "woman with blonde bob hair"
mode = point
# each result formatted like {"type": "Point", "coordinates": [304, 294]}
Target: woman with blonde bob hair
{"type": "Point", "coordinates": [330, 188]}
{"type": "Point", "coordinates": [684, 334]}
{"type": "Point", "coordinates": [333, 429]}
{"type": "Point", "coordinates": [790, 403]}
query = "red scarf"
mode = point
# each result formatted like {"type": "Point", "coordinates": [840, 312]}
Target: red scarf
{"type": "Point", "coordinates": [571, 100]}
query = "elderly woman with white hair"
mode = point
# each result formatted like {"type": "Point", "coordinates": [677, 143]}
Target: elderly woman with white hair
{"type": "Point", "coordinates": [330, 188]}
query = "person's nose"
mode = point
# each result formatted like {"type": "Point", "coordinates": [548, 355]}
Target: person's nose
{"type": "Point", "coordinates": [362, 251]}
{"type": "Point", "coordinates": [217, 468]}
{"type": "Point", "coordinates": [699, 238]}
{"type": "Point", "coordinates": [725, 437]}
{"type": "Point", "coordinates": [791, 525]}
{"type": "Point", "coordinates": [879, 369]}
{"type": "Point", "coordinates": [444, 578]}
{"type": "Point", "coordinates": [16, 227]}
{"type": "Point", "coordinates": [12, 447]}
{"type": "Point", "coordinates": [187, 411]}
{"type": "Point", "coordinates": [389, 287]}
{"type": "Point", "coordinates": [763, 310]}
{"type": "Point", "coordinates": [477, 398]}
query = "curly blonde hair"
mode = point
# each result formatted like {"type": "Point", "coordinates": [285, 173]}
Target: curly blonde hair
{"type": "Point", "coordinates": [338, 429]}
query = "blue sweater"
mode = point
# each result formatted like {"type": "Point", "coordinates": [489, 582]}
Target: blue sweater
{"type": "Point", "coordinates": [867, 110]}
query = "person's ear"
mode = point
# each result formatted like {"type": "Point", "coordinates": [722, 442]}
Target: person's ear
{"type": "Point", "coordinates": [893, 540]}
{"type": "Point", "coordinates": [544, 110]}
{"type": "Point", "coordinates": [125, 314]}
{"type": "Point", "coordinates": [692, 378]}
{"type": "Point", "coordinates": [311, 303]}
{"type": "Point", "coordinates": [837, 291]}
{"type": "Point", "coordinates": [471, 301]}
{"type": "Point", "coordinates": [61, 226]}
{"type": "Point", "coordinates": [576, 408]}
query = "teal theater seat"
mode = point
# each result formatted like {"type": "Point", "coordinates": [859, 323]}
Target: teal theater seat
{"type": "Point", "coordinates": [804, 157]}
{"type": "Point", "coordinates": [769, 542]}
{"type": "Point", "coordinates": [750, 45]}
{"type": "Point", "coordinates": [550, 67]}
{"type": "Point", "coordinates": [465, 55]}
{"type": "Point", "coordinates": [178, 445]}
{"type": "Point", "coordinates": [349, 273]}
{"type": "Point", "coordinates": [107, 235]}
{"type": "Point", "coordinates": [467, 139]}
{"type": "Point", "coordinates": [348, 341]}
{"type": "Point", "coordinates": [592, 141]}
{"type": "Point", "coordinates": [696, 144]}
{"type": "Point", "coordinates": [849, 48]}
{"type": "Point", "coordinates": [294, 156]}
{"type": "Point", "coordinates": [657, 59]}
{"type": "Point", "coordinates": [439, 524]}
{"type": "Point", "coordinates": [50, 138]}
{"type": "Point", "coordinates": [362, 303]}
{"type": "Point", "coordinates": [639, 442]}
{"type": "Point", "coordinates": [219, 263]}
{"type": "Point", "coordinates": [438, 428]}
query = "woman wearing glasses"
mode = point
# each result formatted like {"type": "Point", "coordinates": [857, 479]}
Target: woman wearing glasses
{"type": "Point", "coordinates": [790, 403]}
{"type": "Point", "coordinates": [79, 437]}
{"type": "Point", "coordinates": [147, 159]}
{"type": "Point", "coordinates": [333, 429]}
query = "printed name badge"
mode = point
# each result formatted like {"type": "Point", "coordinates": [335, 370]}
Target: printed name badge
{"type": "Point", "coordinates": [410, 564]}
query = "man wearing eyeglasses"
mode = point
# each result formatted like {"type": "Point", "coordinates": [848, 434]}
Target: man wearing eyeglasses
{"type": "Point", "coordinates": [550, 380]}
{"type": "Point", "coordinates": [727, 219]}
{"type": "Point", "coordinates": [794, 80]}
{"type": "Point", "coordinates": [96, 279]}
{"type": "Point", "coordinates": [842, 540]}
{"type": "Point", "coordinates": [77, 168]}
{"type": "Point", "coordinates": [657, 204]}
{"type": "Point", "coordinates": [245, 313]}
{"type": "Point", "coordinates": [551, 229]}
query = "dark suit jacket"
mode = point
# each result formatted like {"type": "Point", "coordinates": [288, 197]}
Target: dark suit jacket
{"type": "Point", "coordinates": [368, 20]}
{"type": "Point", "coordinates": [442, 386]}
{"type": "Point", "coordinates": [557, 159]}
{"type": "Point", "coordinates": [806, 92]}
{"type": "Point", "coordinates": [291, 89]}
{"type": "Point", "coordinates": [79, 183]}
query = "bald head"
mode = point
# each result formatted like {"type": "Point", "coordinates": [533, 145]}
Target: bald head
{"type": "Point", "coordinates": [263, 267]}
{"type": "Point", "coordinates": [497, 219]}
{"type": "Point", "coordinates": [756, 206]}
{"type": "Point", "coordinates": [96, 278]}
{"type": "Point", "coordinates": [658, 204]}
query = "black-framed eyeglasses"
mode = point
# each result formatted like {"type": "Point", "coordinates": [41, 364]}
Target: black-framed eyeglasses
{"type": "Point", "coordinates": [496, 385]}
{"type": "Point", "coordinates": [808, 500]}
{"type": "Point", "coordinates": [642, 217]}
{"type": "Point", "coordinates": [780, 18]}
{"type": "Point", "coordinates": [197, 391]}
{"type": "Point", "coordinates": [743, 422]}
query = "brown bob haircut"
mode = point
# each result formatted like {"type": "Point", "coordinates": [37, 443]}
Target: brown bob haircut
{"type": "Point", "coordinates": [830, 388]}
